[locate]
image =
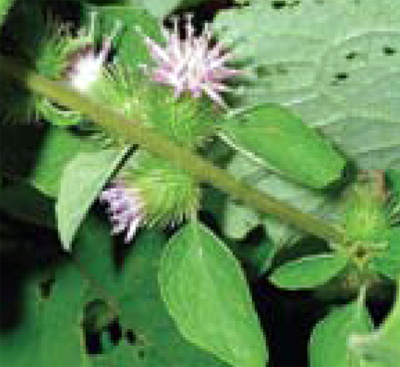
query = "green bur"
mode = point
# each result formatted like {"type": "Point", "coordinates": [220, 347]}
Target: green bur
{"type": "Point", "coordinates": [273, 136]}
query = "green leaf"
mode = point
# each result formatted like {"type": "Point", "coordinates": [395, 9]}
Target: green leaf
{"type": "Point", "coordinates": [49, 333]}
{"type": "Point", "coordinates": [329, 344]}
{"type": "Point", "coordinates": [39, 154]}
{"type": "Point", "coordinates": [5, 6]}
{"type": "Point", "coordinates": [389, 263]}
{"type": "Point", "coordinates": [27, 204]}
{"type": "Point", "coordinates": [273, 136]}
{"type": "Point", "coordinates": [207, 296]}
{"type": "Point", "coordinates": [82, 180]}
{"type": "Point", "coordinates": [381, 347]}
{"type": "Point", "coordinates": [309, 271]}
{"type": "Point", "coordinates": [238, 220]}
{"type": "Point", "coordinates": [160, 9]}
{"type": "Point", "coordinates": [131, 48]}
{"type": "Point", "coordinates": [122, 355]}
{"type": "Point", "coordinates": [310, 201]}
{"type": "Point", "coordinates": [335, 63]}
{"type": "Point", "coordinates": [394, 179]}
{"type": "Point", "coordinates": [132, 290]}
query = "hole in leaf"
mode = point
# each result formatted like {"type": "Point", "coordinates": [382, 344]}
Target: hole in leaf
{"type": "Point", "coordinates": [351, 55]}
{"type": "Point", "coordinates": [97, 315]}
{"type": "Point", "coordinates": [46, 287]}
{"type": "Point", "coordinates": [92, 342]}
{"type": "Point", "coordinates": [341, 76]}
{"type": "Point", "coordinates": [389, 51]}
{"type": "Point", "coordinates": [131, 337]}
{"type": "Point", "coordinates": [295, 3]}
{"type": "Point", "coordinates": [278, 4]}
{"type": "Point", "coordinates": [114, 332]}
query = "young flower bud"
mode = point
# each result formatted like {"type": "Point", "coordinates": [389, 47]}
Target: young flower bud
{"type": "Point", "coordinates": [366, 218]}
{"type": "Point", "coordinates": [191, 64]}
{"type": "Point", "coordinates": [86, 62]}
{"type": "Point", "coordinates": [154, 194]}
{"type": "Point", "coordinates": [74, 60]}
{"type": "Point", "coordinates": [126, 208]}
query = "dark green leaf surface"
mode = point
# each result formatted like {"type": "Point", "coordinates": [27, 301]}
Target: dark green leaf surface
{"type": "Point", "coordinates": [81, 182]}
{"type": "Point", "coordinates": [309, 271]}
{"type": "Point", "coordinates": [207, 296]}
{"type": "Point", "coordinates": [49, 333]}
{"type": "Point", "coordinates": [133, 294]}
{"type": "Point", "coordinates": [273, 136]}
{"type": "Point", "coordinates": [39, 154]}
{"type": "Point", "coordinates": [329, 344]}
{"type": "Point", "coordinates": [28, 204]}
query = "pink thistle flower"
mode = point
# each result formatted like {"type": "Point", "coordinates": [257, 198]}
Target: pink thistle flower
{"type": "Point", "coordinates": [191, 64]}
{"type": "Point", "coordinates": [126, 208]}
{"type": "Point", "coordinates": [87, 62]}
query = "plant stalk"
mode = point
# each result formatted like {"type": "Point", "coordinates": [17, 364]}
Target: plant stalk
{"type": "Point", "coordinates": [135, 133]}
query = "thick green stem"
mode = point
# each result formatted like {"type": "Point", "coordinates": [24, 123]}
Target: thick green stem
{"type": "Point", "coordinates": [157, 144]}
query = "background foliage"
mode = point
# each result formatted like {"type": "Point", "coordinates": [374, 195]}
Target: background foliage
{"type": "Point", "coordinates": [313, 122]}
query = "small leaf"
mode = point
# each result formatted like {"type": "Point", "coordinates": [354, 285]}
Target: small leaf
{"type": "Point", "coordinates": [132, 50]}
{"type": "Point", "coordinates": [314, 202]}
{"type": "Point", "coordinates": [238, 220]}
{"type": "Point", "coordinates": [207, 296]}
{"type": "Point", "coordinates": [389, 263]}
{"type": "Point", "coordinates": [309, 271]}
{"type": "Point", "coordinates": [83, 178]}
{"type": "Point", "coordinates": [5, 6]}
{"type": "Point", "coordinates": [330, 338]}
{"type": "Point", "coordinates": [381, 348]}
{"type": "Point", "coordinates": [273, 136]}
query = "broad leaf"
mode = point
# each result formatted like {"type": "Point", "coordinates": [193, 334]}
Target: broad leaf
{"type": "Point", "coordinates": [273, 136]}
{"type": "Point", "coordinates": [309, 271]}
{"type": "Point", "coordinates": [329, 344]}
{"type": "Point", "coordinates": [336, 63]}
{"type": "Point", "coordinates": [82, 180]}
{"type": "Point", "coordinates": [207, 296]}
{"type": "Point", "coordinates": [49, 331]}
{"type": "Point", "coordinates": [130, 287]}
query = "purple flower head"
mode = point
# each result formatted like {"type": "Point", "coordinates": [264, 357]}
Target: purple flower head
{"type": "Point", "coordinates": [87, 62]}
{"type": "Point", "coordinates": [126, 208]}
{"type": "Point", "coordinates": [191, 64]}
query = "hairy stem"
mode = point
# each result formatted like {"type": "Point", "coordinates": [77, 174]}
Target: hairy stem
{"type": "Point", "coordinates": [136, 133]}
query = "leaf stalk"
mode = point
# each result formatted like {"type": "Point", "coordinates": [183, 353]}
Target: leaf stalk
{"type": "Point", "coordinates": [136, 133]}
